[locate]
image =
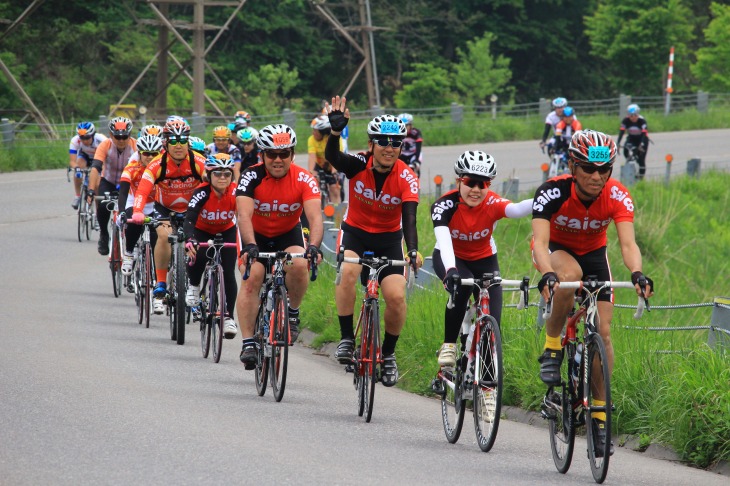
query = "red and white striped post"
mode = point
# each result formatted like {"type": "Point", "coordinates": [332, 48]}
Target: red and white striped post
{"type": "Point", "coordinates": [667, 103]}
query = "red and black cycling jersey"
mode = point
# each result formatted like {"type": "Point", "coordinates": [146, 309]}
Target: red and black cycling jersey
{"type": "Point", "coordinates": [209, 212]}
{"type": "Point", "coordinates": [471, 228]}
{"type": "Point", "coordinates": [637, 132]}
{"type": "Point", "coordinates": [577, 225]}
{"type": "Point", "coordinates": [278, 203]}
{"type": "Point", "coordinates": [175, 183]}
{"type": "Point", "coordinates": [412, 145]}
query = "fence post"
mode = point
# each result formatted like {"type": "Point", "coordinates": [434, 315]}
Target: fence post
{"type": "Point", "coordinates": [721, 320]}
{"type": "Point", "coordinates": [668, 174]}
{"type": "Point", "coordinates": [493, 99]}
{"type": "Point", "coordinates": [623, 103]}
{"type": "Point", "coordinates": [628, 174]}
{"type": "Point", "coordinates": [376, 110]}
{"type": "Point", "coordinates": [703, 101]}
{"type": "Point", "coordinates": [511, 188]}
{"type": "Point", "coordinates": [197, 124]}
{"type": "Point", "coordinates": [438, 180]}
{"type": "Point", "coordinates": [457, 113]}
{"type": "Point", "coordinates": [8, 132]}
{"type": "Point", "coordinates": [103, 125]}
{"type": "Point", "coordinates": [543, 108]}
{"type": "Point", "coordinates": [290, 117]}
{"type": "Point", "coordinates": [693, 167]}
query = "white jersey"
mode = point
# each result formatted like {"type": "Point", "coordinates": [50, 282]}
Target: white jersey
{"type": "Point", "coordinates": [77, 146]}
{"type": "Point", "coordinates": [553, 118]}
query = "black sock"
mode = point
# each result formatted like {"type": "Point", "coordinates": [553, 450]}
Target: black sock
{"type": "Point", "coordinates": [389, 344]}
{"type": "Point", "coordinates": [346, 327]}
{"type": "Point", "coordinates": [293, 313]}
{"type": "Point", "coordinates": [248, 342]}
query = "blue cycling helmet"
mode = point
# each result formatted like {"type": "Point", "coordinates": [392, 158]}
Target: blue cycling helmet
{"type": "Point", "coordinates": [197, 144]}
{"type": "Point", "coordinates": [560, 103]}
{"type": "Point", "coordinates": [633, 109]}
{"type": "Point", "coordinates": [85, 129]}
{"type": "Point", "coordinates": [568, 111]}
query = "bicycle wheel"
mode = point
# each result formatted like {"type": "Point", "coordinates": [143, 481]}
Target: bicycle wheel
{"type": "Point", "coordinates": [90, 219]}
{"type": "Point", "coordinates": [359, 371]}
{"type": "Point", "coordinates": [371, 368]}
{"type": "Point", "coordinates": [180, 290]}
{"type": "Point", "coordinates": [218, 311]}
{"type": "Point", "coordinates": [205, 327]}
{"type": "Point", "coordinates": [138, 280]}
{"type": "Point", "coordinates": [487, 389]}
{"type": "Point", "coordinates": [597, 379]}
{"type": "Point", "coordinates": [561, 420]}
{"type": "Point", "coordinates": [453, 402]}
{"type": "Point", "coordinates": [261, 335]}
{"type": "Point", "coordinates": [148, 282]}
{"type": "Point", "coordinates": [280, 346]}
{"type": "Point", "coordinates": [115, 260]}
{"type": "Point", "coordinates": [81, 215]}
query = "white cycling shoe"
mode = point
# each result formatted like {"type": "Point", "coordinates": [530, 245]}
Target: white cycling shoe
{"type": "Point", "coordinates": [447, 355]}
{"type": "Point", "coordinates": [229, 328]}
{"type": "Point", "coordinates": [127, 264]}
{"type": "Point", "coordinates": [192, 297]}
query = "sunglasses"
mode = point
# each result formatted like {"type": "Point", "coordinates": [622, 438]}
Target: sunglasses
{"type": "Point", "coordinates": [591, 169]}
{"type": "Point", "coordinates": [283, 154]}
{"type": "Point", "coordinates": [220, 139]}
{"type": "Point", "coordinates": [175, 141]}
{"type": "Point", "coordinates": [86, 137]}
{"type": "Point", "coordinates": [384, 142]}
{"type": "Point", "coordinates": [121, 137]}
{"type": "Point", "coordinates": [224, 174]}
{"type": "Point", "coordinates": [248, 143]}
{"type": "Point", "coordinates": [474, 183]}
{"type": "Point", "coordinates": [149, 154]}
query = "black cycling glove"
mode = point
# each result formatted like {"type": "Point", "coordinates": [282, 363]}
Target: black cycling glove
{"type": "Point", "coordinates": [636, 278]}
{"type": "Point", "coordinates": [338, 121]}
{"type": "Point", "coordinates": [313, 252]}
{"type": "Point", "coordinates": [548, 279]}
{"type": "Point", "coordinates": [452, 280]}
{"type": "Point", "coordinates": [252, 250]}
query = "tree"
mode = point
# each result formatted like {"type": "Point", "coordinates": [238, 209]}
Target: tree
{"type": "Point", "coordinates": [713, 61]}
{"type": "Point", "coordinates": [478, 74]}
{"type": "Point", "coordinates": [427, 85]}
{"type": "Point", "coordinates": [267, 89]}
{"type": "Point", "coordinates": [634, 37]}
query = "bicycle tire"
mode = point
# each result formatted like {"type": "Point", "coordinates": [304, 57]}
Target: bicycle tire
{"type": "Point", "coordinates": [373, 355]}
{"type": "Point", "coordinates": [453, 402]}
{"type": "Point", "coordinates": [170, 297]}
{"type": "Point", "coordinates": [487, 389]}
{"type": "Point", "coordinates": [149, 282]}
{"type": "Point", "coordinates": [81, 215]}
{"type": "Point", "coordinates": [218, 290]}
{"type": "Point", "coordinates": [115, 259]}
{"type": "Point", "coordinates": [562, 426]}
{"type": "Point", "coordinates": [138, 278]}
{"type": "Point", "coordinates": [90, 219]}
{"type": "Point", "coordinates": [205, 327]}
{"type": "Point", "coordinates": [598, 458]}
{"type": "Point", "coordinates": [280, 346]}
{"type": "Point", "coordinates": [261, 335]}
{"type": "Point", "coordinates": [180, 291]}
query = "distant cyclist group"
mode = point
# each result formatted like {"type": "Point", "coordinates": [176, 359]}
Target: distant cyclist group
{"type": "Point", "coordinates": [244, 188]}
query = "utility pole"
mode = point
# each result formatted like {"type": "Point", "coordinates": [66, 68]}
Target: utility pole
{"type": "Point", "coordinates": [366, 35]}
{"type": "Point", "coordinates": [162, 64]}
{"type": "Point", "coordinates": [198, 58]}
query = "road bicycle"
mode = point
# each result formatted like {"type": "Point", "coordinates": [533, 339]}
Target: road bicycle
{"type": "Point", "coordinates": [558, 163]}
{"type": "Point", "coordinates": [571, 404]}
{"type": "Point", "coordinates": [212, 309]}
{"type": "Point", "coordinates": [633, 158]}
{"type": "Point", "coordinates": [86, 220]}
{"type": "Point", "coordinates": [111, 201]}
{"type": "Point", "coordinates": [271, 330]}
{"type": "Point", "coordinates": [368, 357]}
{"type": "Point", "coordinates": [177, 280]}
{"type": "Point", "coordinates": [478, 373]}
{"type": "Point", "coordinates": [143, 276]}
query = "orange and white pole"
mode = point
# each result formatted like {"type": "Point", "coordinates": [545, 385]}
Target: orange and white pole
{"type": "Point", "coordinates": [667, 103]}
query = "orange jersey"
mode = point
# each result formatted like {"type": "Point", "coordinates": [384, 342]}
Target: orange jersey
{"type": "Point", "coordinates": [278, 203]}
{"type": "Point", "coordinates": [382, 212]}
{"type": "Point", "coordinates": [114, 160]}
{"type": "Point", "coordinates": [133, 174]}
{"type": "Point", "coordinates": [175, 183]}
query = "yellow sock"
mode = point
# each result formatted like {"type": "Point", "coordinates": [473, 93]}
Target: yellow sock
{"type": "Point", "coordinates": [599, 415]}
{"type": "Point", "coordinates": [553, 342]}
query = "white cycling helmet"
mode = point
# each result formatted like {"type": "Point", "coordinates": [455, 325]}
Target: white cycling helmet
{"type": "Point", "coordinates": [560, 102]}
{"type": "Point", "coordinates": [633, 109]}
{"type": "Point", "coordinates": [406, 118]}
{"type": "Point", "coordinates": [386, 125]}
{"type": "Point", "coordinates": [476, 164]}
{"type": "Point", "coordinates": [149, 143]}
{"type": "Point", "coordinates": [273, 137]}
{"type": "Point", "coordinates": [321, 123]}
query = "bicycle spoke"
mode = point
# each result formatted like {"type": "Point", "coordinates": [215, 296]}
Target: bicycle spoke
{"type": "Point", "coordinates": [280, 348]}
{"type": "Point", "coordinates": [261, 335]}
{"type": "Point", "coordinates": [218, 299]}
{"type": "Point", "coordinates": [487, 389]}
{"type": "Point", "coordinates": [558, 408]}
{"type": "Point", "coordinates": [598, 382]}
{"type": "Point", "coordinates": [453, 402]}
{"type": "Point", "coordinates": [374, 356]}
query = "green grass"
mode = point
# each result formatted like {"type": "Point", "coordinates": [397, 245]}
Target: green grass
{"type": "Point", "coordinates": [668, 387]}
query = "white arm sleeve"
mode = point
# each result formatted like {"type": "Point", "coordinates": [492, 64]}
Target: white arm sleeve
{"type": "Point", "coordinates": [443, 243]}
{"type": "Point", "coordinates": [519, 210]}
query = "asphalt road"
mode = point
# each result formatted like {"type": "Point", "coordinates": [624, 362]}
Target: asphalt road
{"type": "Point", "coordinates": [89, 397]}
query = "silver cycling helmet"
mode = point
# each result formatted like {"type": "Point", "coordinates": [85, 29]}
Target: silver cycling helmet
{"type": "Point", "coordinates": [476, 164]}
{"type": "Point", "coordinates": [387, 125]}
{"type": "Point", "coordinates": [273, 137]}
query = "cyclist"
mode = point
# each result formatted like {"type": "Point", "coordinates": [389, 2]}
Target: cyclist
{"type": "Point", "coordinates": [271, 197]}
{"type": "Point", "coordinates": [565, 129]}
{"type": "Point", "coordinates": [464, 220]}
{"type": "Point", "coordinates": [110, 159]}
{"type": "Point", "coordinates": [318, 165]}
{"type": "Point", "coordinates": [638, 135]}
{"type": "Point", "coordinates": [383, 199]}
{"type": "Point", "coordinates": [212, 210]}
{"type": "Point", "coordinates": [410, 152]}
{"type": "Point", "coordinates": [571, 214]}
{"type": "Point", "coordinates": [222, 145]}
{"type": "Point", "coordinates": [148, 147]}
{"type": "Point", "coordinates": [173, 175]}
{"type": "Point", "coordinates": [250, 152]}
{"type": "Point", "coordinates": [551, 121]}
{"type": "Point", "coordinates": [81, 152]}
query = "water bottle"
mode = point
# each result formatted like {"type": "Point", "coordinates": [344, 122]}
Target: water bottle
{"type": "Point", "coordinates": [469, 338]}
{"type": "Point", "coordinates": [270, 301]}
{"type": "Point", "coordinates": [468, 319]}
{"type": "Point", "coordinates": [78, 174]}
{"type": "Point", "coordinates": [576, 365]}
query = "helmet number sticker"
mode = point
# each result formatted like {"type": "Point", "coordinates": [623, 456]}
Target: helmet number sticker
{"type": "Point", "coordinates": [599, 154]}
{"type": "Point", "coordinates": [390, 128]}
{"type": "Point", "coordinates": [281, 138]}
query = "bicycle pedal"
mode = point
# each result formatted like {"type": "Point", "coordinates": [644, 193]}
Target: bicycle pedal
{"type": "Point", "coordinates": [548, 414]}
{"type": "Point", "coordinates": [350, 368]}
{"type": "Point", "coordinates": [437, 386]}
